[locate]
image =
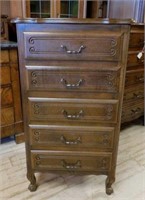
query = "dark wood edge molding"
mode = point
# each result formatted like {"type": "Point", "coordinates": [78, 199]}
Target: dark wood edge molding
{"type": "Point", "coordinates": [70, 20]}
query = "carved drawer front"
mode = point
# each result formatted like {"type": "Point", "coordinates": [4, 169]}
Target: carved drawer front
{"type": "Point", "coordinates": [49, 78]}
{"type": "Point", "coordinates": [72, 110]}
{"type": "Point", "coordinates": [5, 75]}
{"type": "Point", "coordinates": [132, 110]}
{"type": "Point", "coordinates": [70, 161]}
{"type": "Point", "coordinates": [71, 136]}
{"type": "Point", "coordinates": [135, 93]}
{"type": "Point", "coordinates": [133, 60]}
{"type": "Point", "coordinates": [74, 45]}
{"type": "Point", "coordinates": [134, 77]}
{"type": "Point", "coordinates": [136, 40]}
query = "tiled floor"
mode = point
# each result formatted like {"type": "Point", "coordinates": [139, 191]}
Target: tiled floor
{"type": "Point", "coordinates": [130, 174]}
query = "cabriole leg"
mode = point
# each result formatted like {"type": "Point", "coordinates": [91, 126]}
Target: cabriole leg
{"type": "Point", "coordinates": [33, 186]}
{"type": "Point", "coordinates": [109, 182]}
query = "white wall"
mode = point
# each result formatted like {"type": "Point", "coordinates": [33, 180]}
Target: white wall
{"type": "Point", "coordinates": [127, 9]}
{"type": "Point", "coordinates": [13, 8]}
{"type": "Point", "coordinates": [121, 8]}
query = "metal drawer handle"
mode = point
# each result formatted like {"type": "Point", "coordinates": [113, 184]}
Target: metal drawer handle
{"type": "Point", "coordinates": [71, 142]}
{"type": "Point", "coordinates": [141, 78]}
{"type": "Point", "coordinates": [136, 111]}
{"type": "Point", "coordinates": [140, 60]}
{"type": "Point", "coordinates": [74, 116]}
{"type": "Point", "coordinates": [68, 85]}
{"type": "Point", "coordinates": [138, 96]}
{"type": "Point", "coordinates": [71, 166]}
{"type": "Point", "coordinates": [73, 51]}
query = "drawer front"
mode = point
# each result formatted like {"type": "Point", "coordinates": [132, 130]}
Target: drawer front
{"type": "Point", "coordinates": [134, 77]}
{"type": "Point", "coordinates": [136, 41]}
{"type": "Point", "coordinates": [5, 75]}
{"type": "Point", "coordinates": [73, 45]}
{"type": "Point", "coordinates": [132, 111]}
{"type": "Point", "coordinates": [46, 137]}
{"type": "Point", "coordinates": [71, 161]}
{"type": "Point", "coordinates": [62, 79]}
{"type": "Point", "coordinates": [134, 93]}
{"type": "Point", "coordinates": [133, 60]}
{"type": "Point", "coordinates": [68, 110]}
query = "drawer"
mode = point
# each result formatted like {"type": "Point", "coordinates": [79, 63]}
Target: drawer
{"type": "Point", "coordinates": [75, 45]}
{"type": "Point", "coordinates": [133, 59]}
{"type": "Point", "coordinates": [71, 161]}
{"type": "Point", "coordinates": [5, 75]}
{"type": "Point", "coordinates": [132, 111]}
{"type": "Point", "coordinates": [6, 96]}
{"type": "Point", "coordinates": [134, 93]}
{"type": "Point", "coordinates": [46, 137]}
{"type": "Point", "coordinates": [69, 79]}
{"type": "Point", "coordinates": [72, 110]}
{"type": "Point", "coordinates": [136, 41]}
{"type": "Point", "coordinates": [134, 77]}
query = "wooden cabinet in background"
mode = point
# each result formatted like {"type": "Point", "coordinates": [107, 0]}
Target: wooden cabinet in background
{"type": "Point", "coordinates": [133, 103]}
{"type": "Point", "coordinates": [55, 8]}
{"type": "Point", "coordinates": [11, 112]}
{"type": "Point", "coordinates": [67, 9]}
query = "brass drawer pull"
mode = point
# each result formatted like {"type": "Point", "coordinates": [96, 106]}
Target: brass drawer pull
{"type": "Point", "coordinates": [136, 111]}
{"type": "Point", "coordinates": [71, 142]}
{"type": "Point", "coordinates": [74, 116]}
{"type": "Point", "coordinates": [73, 51]}
{"type": "Point", "coordinates": [71, 166]}
{"type": "Point", "coordinates": [68, 85]}
{"type": "Point", "coordinates": [141, 78]}
{"type": "Point", "coordinates": [138, 96]}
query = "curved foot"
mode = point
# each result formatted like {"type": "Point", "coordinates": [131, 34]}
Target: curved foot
{"type": "Point", "coordinates": [109, 181]}
{"type": "Point", "coordinates": [32, 187]}
{"type": "Point", "coordinates": [109, 190]}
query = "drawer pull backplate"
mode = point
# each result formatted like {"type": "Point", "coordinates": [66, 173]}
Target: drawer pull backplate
{"type": "Point", "coordinates": [71, 166]}
{"type": "Point", "coordinates": [73, 116]}
{"type": "Point", "coordinates": [73, 51]}
{"type": "Point", "coordinates": [68, 85]}
{"type": "Point", "coordinates": [70, 142]}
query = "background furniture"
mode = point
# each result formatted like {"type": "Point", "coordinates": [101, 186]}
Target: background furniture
{"type": "Point", "coordinates": [11, 112]}
{"type": "Point", "coordinates": [69, 8]}
{"type": "Point", "coordinates": [72, 77]}
{"type": "Point", "coordinates": [133, 103]}
{"type": "Point", "coordinates": [134, 9]}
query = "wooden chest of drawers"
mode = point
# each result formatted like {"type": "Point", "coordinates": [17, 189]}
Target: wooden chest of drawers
{"type": "Point", "coordinates": [11, 112]}
{"type": "Point", "coordinates": [133, 103]}
{"type": "Point", "coordinates": [72, 77]}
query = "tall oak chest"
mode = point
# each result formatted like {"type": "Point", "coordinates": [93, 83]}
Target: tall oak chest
{"type": "Point", "coordinates": [72, 79]}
